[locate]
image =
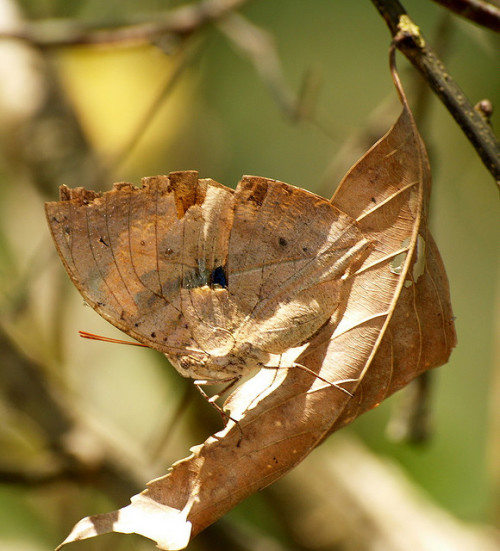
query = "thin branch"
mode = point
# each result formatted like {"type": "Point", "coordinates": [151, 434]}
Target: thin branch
{"type": "Point", "coordinates": [480, 12]}
{"type": "Point", "coordinates": [411, 43]}
{"type": "Point", "coordinates": [182, 21]}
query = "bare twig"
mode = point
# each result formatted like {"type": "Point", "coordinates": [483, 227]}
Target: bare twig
{"type": "Point", "coordinates": [442, 38]}
{"type": "Point", "coordinates": [478, 11]}
{"type": "Point", "coordinates": [180, 22]}
{"type": "Point", "coordinates": [411, 43]}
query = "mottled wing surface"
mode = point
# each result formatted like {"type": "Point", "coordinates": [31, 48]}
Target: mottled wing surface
{"type": "Point", "coordinates": [287, 251]}
{"type": "Point", "coordinates": [183, 261]}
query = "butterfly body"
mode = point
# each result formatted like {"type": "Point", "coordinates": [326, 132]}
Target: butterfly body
{"type": "Point", "coordinates": [218, 279]}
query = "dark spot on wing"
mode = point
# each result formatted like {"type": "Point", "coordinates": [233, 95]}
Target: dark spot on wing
{"type": "Point", "coordinates": [283, 242]}
{"type": "Point", "coordinates": [218, 277]}
{"type": "Point", "coordinates": [201, 277]}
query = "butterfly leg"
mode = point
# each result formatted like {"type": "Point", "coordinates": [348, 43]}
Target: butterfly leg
{"type": "Point", "coordinates": [225, 390]}
{"type": "Point", "coordinates": [212, 401]}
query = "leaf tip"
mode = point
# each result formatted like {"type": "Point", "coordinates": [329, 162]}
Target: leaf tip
{"type": "Point", "coordinates": [82, 530]}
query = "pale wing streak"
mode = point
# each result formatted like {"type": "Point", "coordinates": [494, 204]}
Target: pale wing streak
{"type": "Point", "coordinates": [199, 317]}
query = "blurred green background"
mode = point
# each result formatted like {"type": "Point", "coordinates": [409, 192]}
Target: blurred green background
{"type": "Point", "coordinates": [223, 119]}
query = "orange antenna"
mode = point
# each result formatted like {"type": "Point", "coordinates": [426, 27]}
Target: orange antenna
{"type": "Point", "coordinates": [93, 337]}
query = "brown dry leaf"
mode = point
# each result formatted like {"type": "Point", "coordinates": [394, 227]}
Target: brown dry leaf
{"type": "Point", "coordinates": [380, 278]}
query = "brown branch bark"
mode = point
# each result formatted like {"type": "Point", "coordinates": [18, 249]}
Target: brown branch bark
{"type": "Point", "coordinates": [180, 22]}
{"type": "Point", "coordinates": [480, 12]}
{"type": "Point", "coordinates": [412, 44]}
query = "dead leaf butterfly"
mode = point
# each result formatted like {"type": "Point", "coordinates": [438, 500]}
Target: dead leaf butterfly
{"type": "Point", "coordinates": [221, 281]}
